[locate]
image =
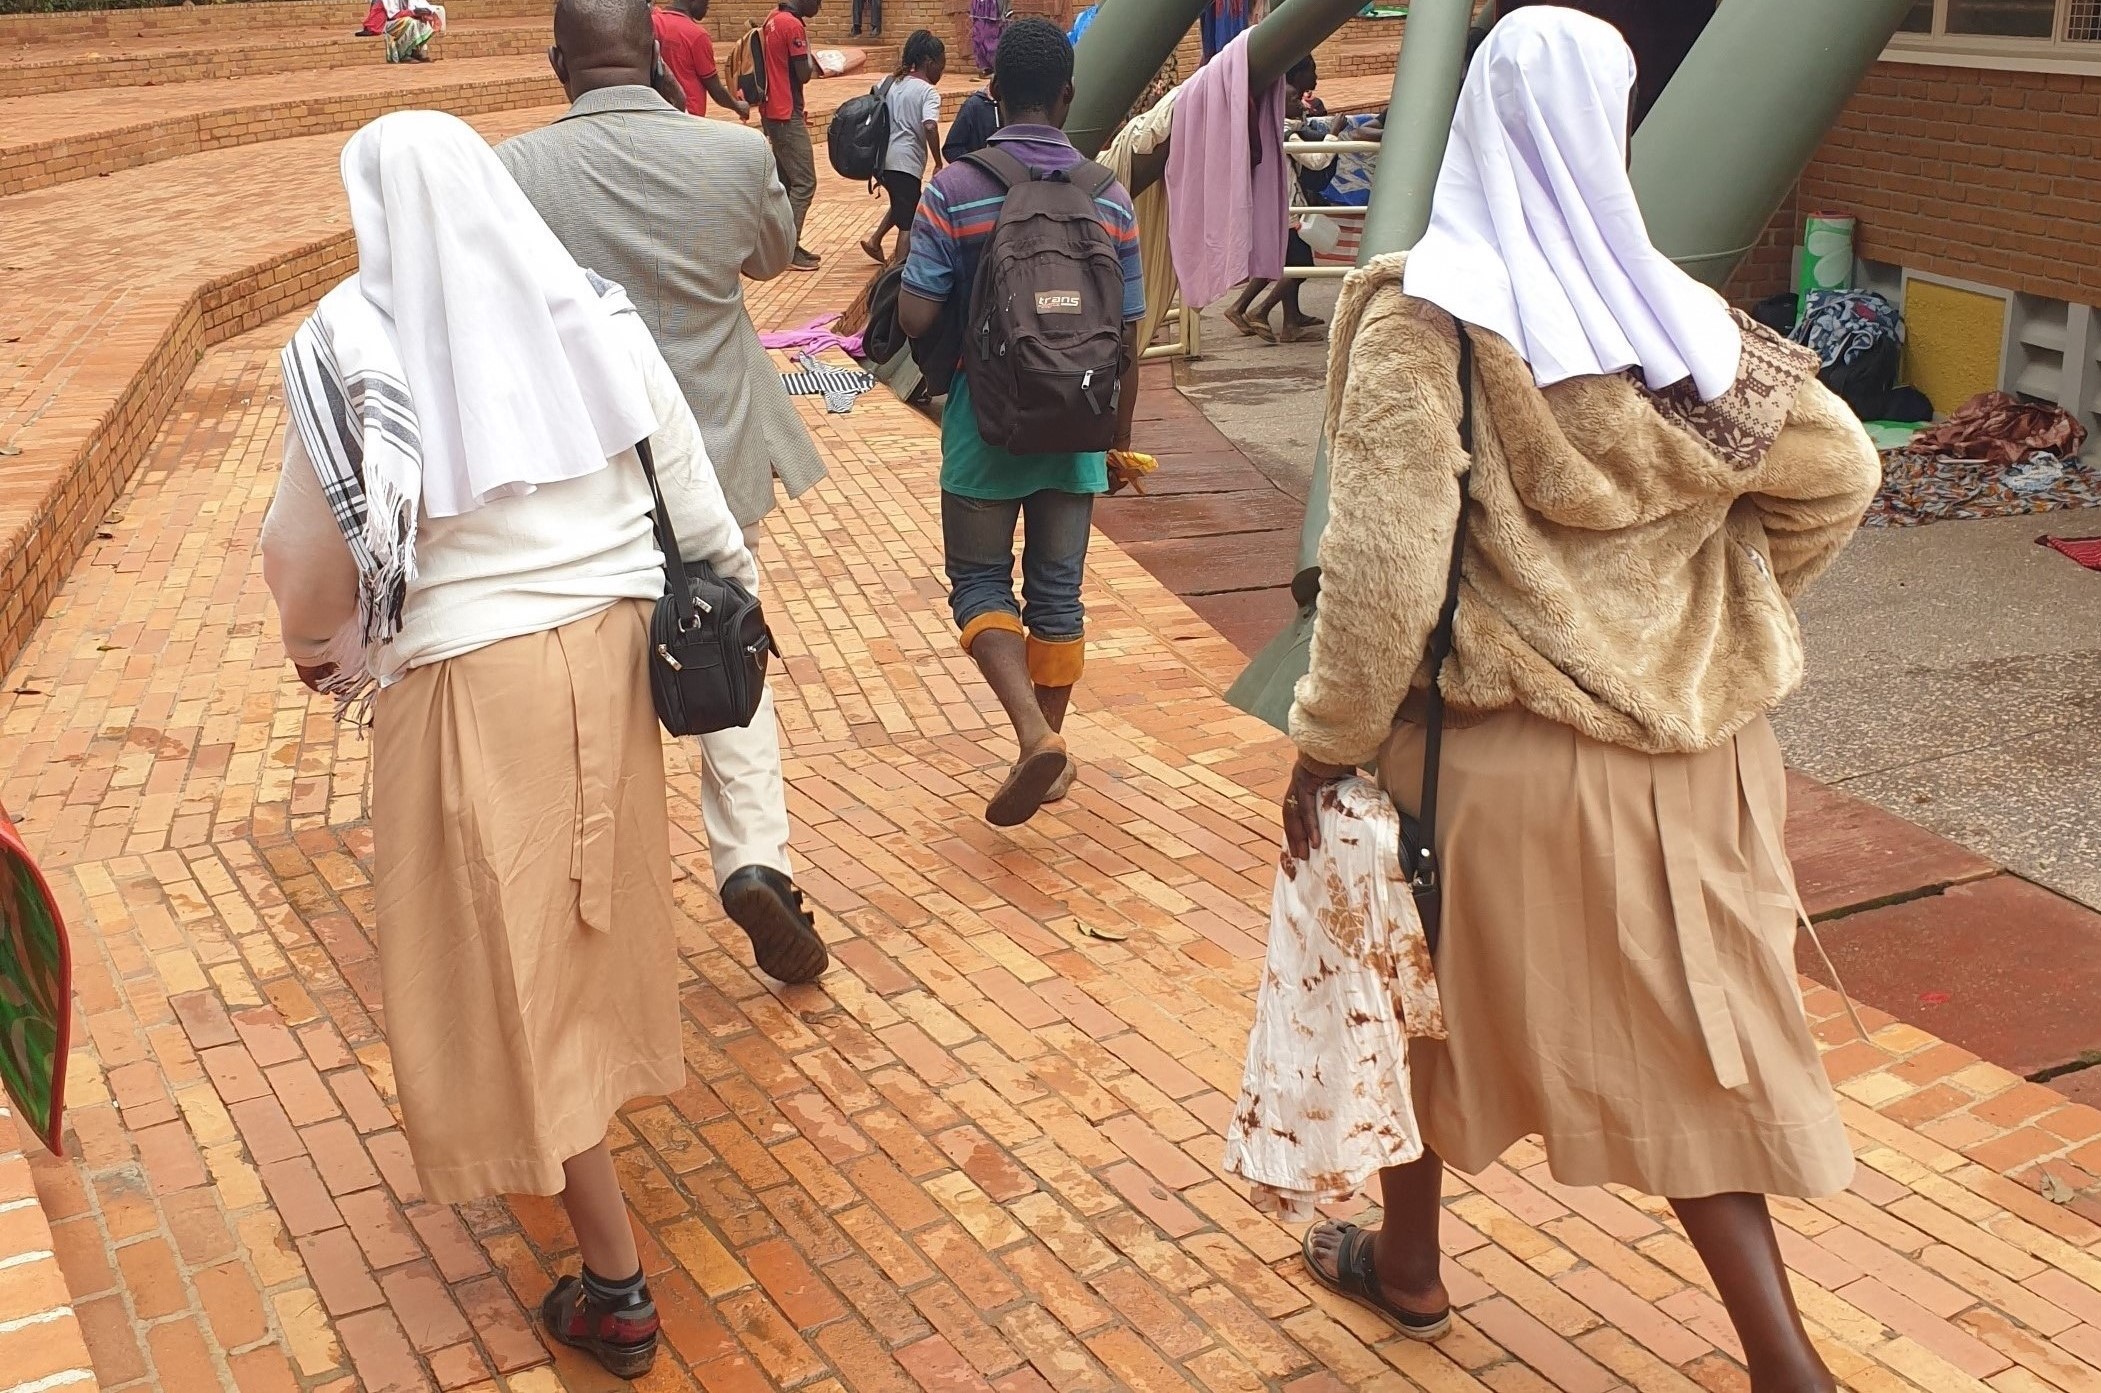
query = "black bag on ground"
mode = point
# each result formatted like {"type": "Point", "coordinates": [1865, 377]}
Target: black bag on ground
{"type": "Point", "coordinates": [1867, 383]}
{"type": "Point", "coordinates": [1044, 342]}
{"type": "Point", "coordinates": [708, 640]}
{"type": "Point", "coordinates": [859, 136]}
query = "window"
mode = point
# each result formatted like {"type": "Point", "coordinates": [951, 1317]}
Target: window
{"type": "Point", "coordinates": [2009, 30]}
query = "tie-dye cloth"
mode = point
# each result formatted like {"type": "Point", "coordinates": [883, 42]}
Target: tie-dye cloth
{"type": "Point", "coordinates": [1324, 1100]}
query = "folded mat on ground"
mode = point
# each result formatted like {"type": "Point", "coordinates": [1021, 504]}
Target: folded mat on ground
{"type": "Point", "coordinates": [2085, 550]}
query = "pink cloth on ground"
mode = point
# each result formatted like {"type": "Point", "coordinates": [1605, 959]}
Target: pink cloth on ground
{"type": "Point", "coordinates": [816, 336]}
{"type": "Point", "coordinates": [1226, 209]}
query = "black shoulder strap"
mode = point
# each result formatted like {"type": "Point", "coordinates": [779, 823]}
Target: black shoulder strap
{"type": "Point", "coordinates": [1001, 166]}
{"type": "Point", "coordinates": [1441, 637]}
{"type": "Point", "coordinates": [660, 523]}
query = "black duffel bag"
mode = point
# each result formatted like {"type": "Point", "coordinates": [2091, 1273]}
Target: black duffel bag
{"type": "Point", "coordinates": [708, 639]}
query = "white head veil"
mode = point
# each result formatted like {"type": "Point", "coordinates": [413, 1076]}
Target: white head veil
{"type": "Point", "coordinates": [1534, 231]}
{"type": "Point", "coordinates": [510, 357]}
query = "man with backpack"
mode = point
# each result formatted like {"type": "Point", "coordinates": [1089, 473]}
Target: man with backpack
{"type": "Point", "coordinates": [1028, 255]}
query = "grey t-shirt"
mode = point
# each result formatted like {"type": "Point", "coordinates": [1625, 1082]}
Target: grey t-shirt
{"type": "Point", "coordinates": [913, 102]}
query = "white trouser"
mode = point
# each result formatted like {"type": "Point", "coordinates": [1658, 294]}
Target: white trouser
{"type": "Point", "coordinates": [741, 798]}
{"type": "Point", "coordinates": [741, 795]}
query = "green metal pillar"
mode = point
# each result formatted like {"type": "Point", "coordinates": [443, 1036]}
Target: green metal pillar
{"type": "Point", "coordinates": [1128, 42]}
{"type": "Point", "coordinates": [1290, 32]}
{"type": "Point", "coordinates": [1418, 123]}
{"type": "Point", "coordinates": [1740, 121]}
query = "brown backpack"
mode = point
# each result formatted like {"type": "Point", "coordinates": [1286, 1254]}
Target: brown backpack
{"type": "Point", "coordinates": [1044, 347]}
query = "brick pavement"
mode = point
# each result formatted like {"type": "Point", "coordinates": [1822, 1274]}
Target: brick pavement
{"type": "Point", "coordinates": [980, 1154]}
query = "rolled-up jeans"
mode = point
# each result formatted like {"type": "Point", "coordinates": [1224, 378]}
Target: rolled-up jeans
{"type": "Point", "coordinates": [978, 542]}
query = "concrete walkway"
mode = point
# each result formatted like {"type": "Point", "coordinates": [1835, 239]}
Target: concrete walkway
{"type": "Point", "coordinates": [981, 1154]}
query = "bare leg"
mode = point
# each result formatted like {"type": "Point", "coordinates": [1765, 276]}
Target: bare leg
{"type": "Point", "coordinates": [1002, 656]}
{"type": "Point", "coordinates": [1734, 1236]}
{"type": "Point", "coordinates": [1255, 326]}
{"type": "Point", "coordinates": [1054, 702]}
{"type": "Point", "coordinates": [873, 242]}
{"type": "Point", "coordinates": [598, 1213]}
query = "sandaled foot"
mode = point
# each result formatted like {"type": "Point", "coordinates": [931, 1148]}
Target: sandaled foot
{"type": "Point", "coordinates": [1239, 320]}
{"type": "Point", "coordinates": [874, 249]}
{"type": "Point", "coordinates": [1027, 783]}
{"type": "Point", "coordinates": [1340, 1257]}
{"type": "Point", "coordinates": [1301, 330]}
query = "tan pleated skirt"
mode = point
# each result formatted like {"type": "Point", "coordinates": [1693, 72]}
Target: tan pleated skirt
{"type": "Point", "coordinates": [528, 964]}
{"type": "Point", "coordinates": [1617, 964]}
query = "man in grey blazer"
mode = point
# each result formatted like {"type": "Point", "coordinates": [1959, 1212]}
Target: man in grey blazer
{"type": "Point", "coordinates": [677, 209]}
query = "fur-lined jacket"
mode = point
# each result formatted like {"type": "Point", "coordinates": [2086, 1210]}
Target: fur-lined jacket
{"type": "Point", "coordinates": [1631, 557]}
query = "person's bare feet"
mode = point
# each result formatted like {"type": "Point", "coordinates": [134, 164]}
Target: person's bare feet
{"type": "Point", "coordinates": [1300, 330]}
{"type": "Point", "coordinates": [1063, 785]}
{"type": "Point", "coordinates": [1031, 778]}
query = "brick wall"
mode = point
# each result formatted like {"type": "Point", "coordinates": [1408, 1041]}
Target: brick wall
{"type": "Point", "coordinates": [36, 556]}
{"type": "Point", "coordinates": [44, 163]}
{"type": "Point", "coordinates": [1989, 176]}
{"type": "Point", "coordinates": [297, 53]}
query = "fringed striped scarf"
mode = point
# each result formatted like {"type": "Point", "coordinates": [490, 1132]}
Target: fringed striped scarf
{"type": "Point", "coordinates": [350, 402]}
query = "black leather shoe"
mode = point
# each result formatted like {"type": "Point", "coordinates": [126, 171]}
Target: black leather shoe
{"type": "Point", "coordinates": [768, 907]}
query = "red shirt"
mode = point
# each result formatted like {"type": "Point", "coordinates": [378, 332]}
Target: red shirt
{"type": "Point", "coordinates": [688, 52]}
{"type": "Point", "coordinates": [783, 38]}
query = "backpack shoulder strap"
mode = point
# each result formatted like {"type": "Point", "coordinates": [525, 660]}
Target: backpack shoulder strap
{"type": "Point", "coordinates": [1001, 166]}
{"type": "Point", "coordinates": [1093, 177]}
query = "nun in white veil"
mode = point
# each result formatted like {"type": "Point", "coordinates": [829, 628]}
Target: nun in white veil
{"type": "Point", "coordinates": [460, 546]}
{"type": "Point", "coordinates": [1652, 480]}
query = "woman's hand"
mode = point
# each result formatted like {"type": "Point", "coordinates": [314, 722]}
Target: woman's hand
{"type": "Point", "coordinates": [315, 675]}
{"type": "Point", "coordinates": [1309, 780]}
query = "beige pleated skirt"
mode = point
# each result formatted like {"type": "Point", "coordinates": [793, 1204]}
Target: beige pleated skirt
{"type": "Point", "coordinates": [528, 964]}
{"type": "Point", "coordinates": [1617, 964]}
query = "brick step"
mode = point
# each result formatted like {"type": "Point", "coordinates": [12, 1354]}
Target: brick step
{"type": "Point", "coordinates": [112, 322]}
{"type": "Point", "coordinates": [176, 22]}
{"type": "Point", "coordinates": [112, 325]}
{"type": "Point", "coordinates": [56, 137]}
{"type": "Point", "coordinates": [160, 60]}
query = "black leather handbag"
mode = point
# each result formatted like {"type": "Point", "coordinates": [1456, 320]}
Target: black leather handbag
{"type": "Point", "coordinates": [1419, 833]}
{"type": "Point", "coordinates": [708, 639]}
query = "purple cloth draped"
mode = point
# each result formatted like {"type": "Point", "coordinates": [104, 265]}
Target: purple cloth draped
{"type": "Point", "coordinates": [985, 24]}
{"type": "Point", "coordinates": [816, 336]}
{"type": "Point", "coordinates": [1227, 195]}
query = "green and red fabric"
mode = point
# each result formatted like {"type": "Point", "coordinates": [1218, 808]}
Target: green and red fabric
{"type": "Point", "coordinates": [36, 987]}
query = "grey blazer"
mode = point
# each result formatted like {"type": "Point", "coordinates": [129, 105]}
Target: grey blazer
{"type": "Point", "coordinates": [677, 210]}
